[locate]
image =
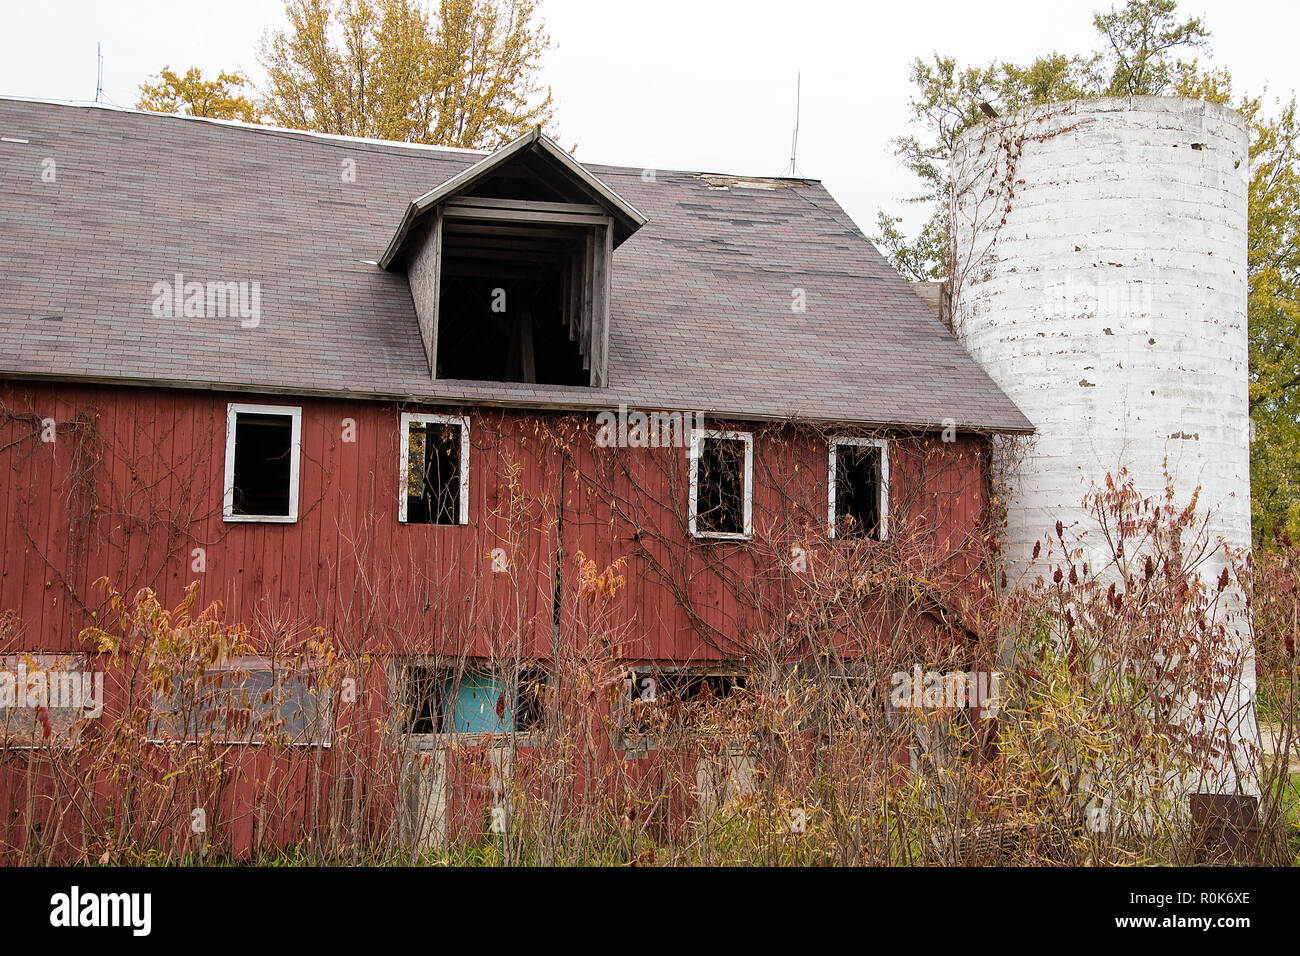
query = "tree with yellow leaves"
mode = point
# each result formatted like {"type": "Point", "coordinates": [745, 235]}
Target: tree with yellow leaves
{"type": "Point", "coordinates": [388, 69]}
{"type": "Point", "coordinates": [192, 95]}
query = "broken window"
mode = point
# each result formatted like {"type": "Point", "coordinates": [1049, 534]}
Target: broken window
{"type": "Point", "coordinates": [721, 502]}
{"type": "Point", "coordinates": [472, 700]}
{"type": "Point", "coordinates": [655, 700]}
{"type": "Point", "coordinates": [859, 488]}
{"type": "Point", "coordinates": [848, 698]}
{"type": "Point", "coordinates": [434, 469]}
{"type": "Point", "coordinates": [262, 451]}
{"type": "Point", "coordinates": [246, 700]}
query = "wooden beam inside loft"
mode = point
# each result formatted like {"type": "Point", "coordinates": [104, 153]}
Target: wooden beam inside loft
{"type": "Point", "coordinates": [506, 243]}
{"type": "Point", "coordinates": [573, 296]}
{"type": "Point", "coordinates": [503, 256]}
{"type": "Point", "coordinates": [521, 365]}
{"type": "Point", "coordinates": [527, 205]}
{"type": "Point", "coordinates": [604, 243]}
{"type": "Point", "coordinates": [468, 228]}
{"type": "Point", "coordinates": [588, 300]}
{"type": "Point", "coordinates": [454, 209]}
{"type": "Point", "coordinates": [479, 269]}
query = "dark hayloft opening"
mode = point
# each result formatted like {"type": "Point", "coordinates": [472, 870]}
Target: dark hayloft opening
{"type": "Point", "coordinates": [500, 326]}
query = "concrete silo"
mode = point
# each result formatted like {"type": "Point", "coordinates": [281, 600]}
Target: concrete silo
{"type": "Point", "coordinates": [1109, 300]}
{"type": "Point", "coordinates": [1100, 279]}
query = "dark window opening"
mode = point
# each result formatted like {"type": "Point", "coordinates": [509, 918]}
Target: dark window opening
{"type": "Point", "coordinates": [720, 495]}
{"type": "Point", "coordinates": [507, 327]}
{"type": "Point", "coordinates": [858, 482]}
{"type": "Point", "coordinates": [698, 689]}
{"type": "Point", "coordinates": [263, 464]}
{"type": "Point", "coordinates": [433, 473]}
{"type": "Point", "coordinates": [517, 301]}
{"type": "Point", "coordinates": [440, 700]}
{"type": "Point", "coordinates": [850, 701]}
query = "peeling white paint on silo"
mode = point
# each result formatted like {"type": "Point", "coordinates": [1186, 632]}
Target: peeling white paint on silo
{"type": "Point", "coordinates": [1103, 287]}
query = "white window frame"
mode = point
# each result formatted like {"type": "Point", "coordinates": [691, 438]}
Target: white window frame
{"type": "Point", "coordinates": [404, 456]}
{"type": "Point", "coordinates": [883, 445]}
{"type": "Point", "coordinates": [233, 411]}
{"type": "Point", "coordinates": [698, 437]}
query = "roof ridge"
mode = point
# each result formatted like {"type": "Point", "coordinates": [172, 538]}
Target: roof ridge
{"type": "Point", "coordinates": [345, 140]}
{"type": "Point", "coordinates": [252, 127]}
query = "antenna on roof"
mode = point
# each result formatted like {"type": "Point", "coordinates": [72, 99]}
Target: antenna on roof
{"type": "Point", "coordinates": [99, 79]}
{"type": "Point", "coordinates": [794, 140]}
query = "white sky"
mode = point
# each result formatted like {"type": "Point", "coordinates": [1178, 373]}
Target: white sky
{"type": "Point", "coordinates": [670, 84]}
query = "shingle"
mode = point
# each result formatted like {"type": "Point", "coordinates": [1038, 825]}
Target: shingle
{"type": "Point", "coordinates": [701, 310]}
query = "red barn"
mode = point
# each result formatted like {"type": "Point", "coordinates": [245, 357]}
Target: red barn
{"type": "Point", "coordinates": [379, 398]}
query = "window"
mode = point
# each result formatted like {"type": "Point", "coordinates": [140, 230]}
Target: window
{"type": "Point", "coordinates": [656, 700]}
{"type": "Point", "coordinates": [434, 469]}
{"type": "Point", "coordinates": [45, 699]}
{"type": "Point", "coordinates": [722, 465]}
{"type": "Point", "coordinates": [263, 444]}
{"type": "Point", "coordinates": [848, 697]}
{"type": "Point", "coordinates": [472, 700]}
{"type": "Point", "coordinates": [859, 488]}
{"type": "Point", "coordinates": [246, 700]}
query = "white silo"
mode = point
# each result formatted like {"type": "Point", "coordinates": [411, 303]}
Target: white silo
{"type": "Point", "coordinates": [1100, 279]}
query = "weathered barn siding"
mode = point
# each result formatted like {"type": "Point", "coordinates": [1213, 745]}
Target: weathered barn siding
{"type": "Point", "coordinates": [132, 485]}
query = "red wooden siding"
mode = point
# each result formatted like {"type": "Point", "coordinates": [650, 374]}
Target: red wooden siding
{"type": "Point", "coordinates": [133, 484]}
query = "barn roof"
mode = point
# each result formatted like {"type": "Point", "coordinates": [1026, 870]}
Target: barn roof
{"type": "Point", "coordinates": [100, 207]}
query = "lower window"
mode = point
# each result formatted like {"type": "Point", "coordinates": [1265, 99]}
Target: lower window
{"type": "Point", "coordinates": [655, 700]}
{"type": "Point", "coordinates": [45, 699]}
{"type": "Point", "coordinates": [246, 700]}
{"type": "Point", "coordinates": [471, 700]}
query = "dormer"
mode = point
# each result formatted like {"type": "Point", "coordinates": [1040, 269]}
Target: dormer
{"type": "Point", "coordinates": [509, 266]}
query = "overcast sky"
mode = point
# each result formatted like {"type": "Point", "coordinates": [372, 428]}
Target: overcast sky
{"type": "Point", "coordinates": [699, 85]}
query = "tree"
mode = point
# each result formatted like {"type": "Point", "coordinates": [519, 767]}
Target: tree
{"type": "Point", "coordinates": [387, 69]}
{"type": "Point", "coordinates": [1138, 57]}
{"type": "Point", "coordinates": [192, 95]}
{"type": "Point", "coordinates": [1274, 317]}
{"type": "Point", "coordinates": [1140, 40]}
{"type": "Point", "coordinates": [1273, 306]}
{"type": "Point", "coordinates": [946, 103]}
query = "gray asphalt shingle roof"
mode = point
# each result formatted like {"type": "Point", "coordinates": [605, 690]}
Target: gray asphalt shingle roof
{"type": "Point", "coordinates": [701, 299]}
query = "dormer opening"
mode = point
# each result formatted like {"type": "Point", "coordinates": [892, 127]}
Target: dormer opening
{"type": "Point", "coordinates": [517, 302]}
{"type": "Point", "coordinates": [510, 268]}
